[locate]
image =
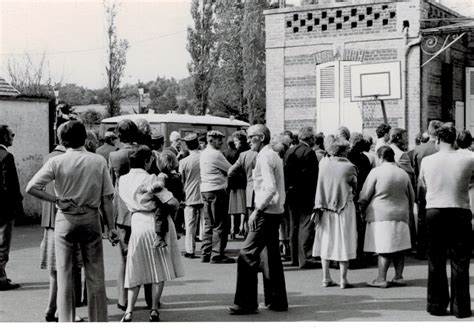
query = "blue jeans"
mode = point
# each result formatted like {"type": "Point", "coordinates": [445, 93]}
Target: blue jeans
{"type": "Point", "coordinates": [68, 231]}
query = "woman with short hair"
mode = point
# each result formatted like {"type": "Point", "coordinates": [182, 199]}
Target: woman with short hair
{"type": "Point", "coordinates": [335, 213]}
{"type": "Point", "coordinates": [386, 202]}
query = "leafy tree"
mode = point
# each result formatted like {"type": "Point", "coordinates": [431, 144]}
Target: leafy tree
{"type": "Point", "coordinates": [202, 48]}
{"type": "Point", "coordinates": [116, 53]}
{"type": "Point", "coordinates": [253, 58]}
{"type": "Point", "coordinates": [227, 87]}
{"type": "Point", "coordinates": [163, 94]}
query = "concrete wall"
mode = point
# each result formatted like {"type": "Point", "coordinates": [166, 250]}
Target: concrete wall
{"type": "Point", "coordinates": [29, 120]}
{"type": "Point", "coordinates": [367, 31]}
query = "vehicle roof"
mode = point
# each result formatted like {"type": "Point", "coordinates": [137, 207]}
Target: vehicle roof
{"type": "Point", "coordinates": [179, 118]}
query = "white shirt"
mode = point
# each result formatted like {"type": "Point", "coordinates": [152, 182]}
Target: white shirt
{"type": "Point", "coordinates": [269, 182]}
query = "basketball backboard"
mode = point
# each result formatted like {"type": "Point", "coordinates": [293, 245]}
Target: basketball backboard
{"type": "Point", "coordinates": [379, 81]}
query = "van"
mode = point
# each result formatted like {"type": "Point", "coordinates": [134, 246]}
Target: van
{"type": "Point", "coordinates": [164, 124]}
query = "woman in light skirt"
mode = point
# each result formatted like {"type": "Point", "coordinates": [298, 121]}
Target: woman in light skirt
{"type": "Point", "coordinates": [335, 213]}
{"type": "Point", "coordinates": [151, 258]}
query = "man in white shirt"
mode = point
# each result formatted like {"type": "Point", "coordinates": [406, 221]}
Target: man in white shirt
{"type": "Point", "coordinates": [214, 168]}
{"type": "Point", "coordinates": [446, 176]}
{"type": "Point", "coordinates": [263, 225]}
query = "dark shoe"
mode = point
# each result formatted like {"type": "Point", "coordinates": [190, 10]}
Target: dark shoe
{"type": "Point", "coordinates": [237, 310]}
{"type": "Point", "coordinates": [154, 316]}
{"type": "Point", "coordinates": [439, 313]}
{"type": "Point", "coordinates": [222, 260]}
{"type": "Point", "coordinates": [197, 239]}
{"type": "Point", "coordinates": [50, 318]}
{"type": "Point", "coordinates": [9, 285]}
{"type": "Point", "coordinates": [205, 258]}
{"type": "Point", "coordinates": [122, 307]}
{"type": "Point", "coordinates": [232, 236]}
{"type": "Point", "coordinates": [127, 317]}
{"type": "Point", "coordinates": [190, 255]}
{"type": "Point", "coordinates": [398, 282]}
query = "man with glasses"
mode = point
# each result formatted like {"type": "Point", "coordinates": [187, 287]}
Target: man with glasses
{"type": "Point", "coordinates": [10, 198]}
{"type": "Point", "coordinates": [263, 225]}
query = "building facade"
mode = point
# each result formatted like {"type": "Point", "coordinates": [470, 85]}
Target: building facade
{"type": "Point", "coordinates": [310, 51]}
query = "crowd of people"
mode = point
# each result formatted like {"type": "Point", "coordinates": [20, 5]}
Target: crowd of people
{"type": "Point", "coordinates": [335, 201]}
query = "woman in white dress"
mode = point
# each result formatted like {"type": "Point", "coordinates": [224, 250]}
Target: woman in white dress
{"type": "Point", "coordinates": [386, 202]}
{"type": "Point", "coordinates": [335, 214]}
{"type": "Point", "coordinates": [151, 258]}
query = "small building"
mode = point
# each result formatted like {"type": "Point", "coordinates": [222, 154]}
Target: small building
{"type": "Point", "coordinates": [31, 119]}
{"type": "Point", "coordinates": [313, 54]}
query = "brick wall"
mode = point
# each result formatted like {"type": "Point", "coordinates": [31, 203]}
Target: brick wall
{"type": "Point", "coordinates": [304, 50]}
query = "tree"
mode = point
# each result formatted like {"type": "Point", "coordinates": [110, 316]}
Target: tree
{"type": "Point", "coordinates": [202, 48]}
{"type": "Point", "coordinates": [30, 77]}
{"type": "Point", "coordinates": [253, 58]}
{"type": "Point", "coordinates": [227, 87]}
{"type": "Point", "coordinates": [116, 53]}
{"type": "Point", "coordinates": [163, 93]}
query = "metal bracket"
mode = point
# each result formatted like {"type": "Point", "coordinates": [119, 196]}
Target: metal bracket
{"type": "Point", "coordinates": [432, 41]}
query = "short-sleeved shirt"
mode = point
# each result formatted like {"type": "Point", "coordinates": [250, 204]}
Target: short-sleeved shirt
{"type": "Point", "coordinates": [79, 175]}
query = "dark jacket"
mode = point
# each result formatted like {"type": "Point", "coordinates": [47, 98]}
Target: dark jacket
{"type": "Point", "coordinates": [10, 196]}
{"type": "Point", "coordinates": [301, 175]}
{"type": "Point", "coordinates": [420, 152]}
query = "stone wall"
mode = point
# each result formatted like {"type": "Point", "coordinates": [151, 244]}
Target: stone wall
{"type": "Point", "coordinates": [30, 121]}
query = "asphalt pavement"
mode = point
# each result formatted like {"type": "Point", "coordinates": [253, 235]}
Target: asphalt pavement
{"type": "Point", "coordinates": [206, 290]}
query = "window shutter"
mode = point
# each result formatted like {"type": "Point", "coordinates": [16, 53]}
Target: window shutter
{"type": "Point", "coordinates": [328, 84]}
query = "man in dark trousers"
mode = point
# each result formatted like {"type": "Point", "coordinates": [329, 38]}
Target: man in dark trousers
{"type": "Point", "coordinates": [263, 232]}
{"type": "Point", "coordinates": [11, 206]}
{"type": "Point", "coordinates": [301, 176]}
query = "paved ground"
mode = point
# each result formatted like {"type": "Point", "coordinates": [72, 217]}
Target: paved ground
{"type": "Point", "coordinates": [207, 289]}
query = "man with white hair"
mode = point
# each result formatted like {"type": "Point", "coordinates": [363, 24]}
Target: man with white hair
{"type": "Point", "coordinates": [176, 146]}
{"type": "Point", "coordinates": [263, 232]}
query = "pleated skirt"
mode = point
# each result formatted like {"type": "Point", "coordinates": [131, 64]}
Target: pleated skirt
{"type": "Point", "coordinates": [48, 255]}
{"type": "Point", "coordinates": [336, 235]}
{"type": "Point", "coordinates": [145, 263]}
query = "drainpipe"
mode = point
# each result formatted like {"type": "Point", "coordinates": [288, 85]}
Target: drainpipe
{"type": "Point", "coordinates": [408, 46]}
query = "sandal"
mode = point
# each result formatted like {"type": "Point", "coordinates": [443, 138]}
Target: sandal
{"type": "Point", "coordinates": [328, 283]}
{"type": "Point", "coordinates": [127, 317]}
{"type": "Point", "coordinates": [398, 282]}
{"type": "Point", "coordinates": [154, 315]}
{"type": "Point", "coordinates": [376, 284]}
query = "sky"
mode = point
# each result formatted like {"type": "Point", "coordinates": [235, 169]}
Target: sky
{"type": "Point", "coordinates": [72, 35]}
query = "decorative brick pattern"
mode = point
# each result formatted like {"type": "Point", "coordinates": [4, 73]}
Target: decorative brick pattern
{"type": "Point", "coordinates": [322, 23]}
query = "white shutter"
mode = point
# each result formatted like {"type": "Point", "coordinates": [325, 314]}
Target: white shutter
{"type": "Point", "coordinates": [327, 91]}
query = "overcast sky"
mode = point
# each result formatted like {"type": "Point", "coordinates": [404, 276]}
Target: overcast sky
{"type": "Point", "coordinates": [72, 34]}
